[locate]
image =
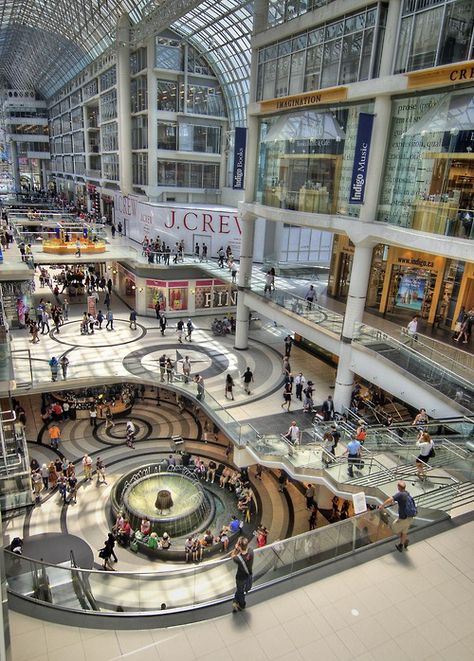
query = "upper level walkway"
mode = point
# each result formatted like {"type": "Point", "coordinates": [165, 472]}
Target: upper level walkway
{"type": "Point", "coordinates": [427, 373]}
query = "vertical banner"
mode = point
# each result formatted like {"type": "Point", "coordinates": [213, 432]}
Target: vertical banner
{"type": "Point", "coordinates": [239, 158]}
{"type": "Point", "coordinates": [361, 158]}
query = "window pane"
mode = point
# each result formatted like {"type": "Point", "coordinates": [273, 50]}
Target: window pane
{"type": "Point", "coordinates": [425, 39]}
{"type": "Point", "coordinates": [367, 50]}
{"type": "Point", "coordinates": [313, 68]}
{"type": "Point", "coordinates": [166, 136]}
{"type": "Point", "coordinates": [457, 32]}
{"type": "Point", "coordinates": [167, 97]}
{"type": "Point", "coordinates": [332, 52]}
{"type": "Point", "coordinates": [282, 76]}
{"type": "Point", "coordinates": [351, 49]}
{"type": "Point", "coordinates": [297, 72]}
{"type": "Point", "coordinates": [269, 80]}
{"type": "Point", "coordinates": [403, 45]}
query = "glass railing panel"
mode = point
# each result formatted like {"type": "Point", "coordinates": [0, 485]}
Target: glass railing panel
{"type": "Point", "coordinates": [181, 589]}
{"type": "Point", "coordinates": [408, 358]}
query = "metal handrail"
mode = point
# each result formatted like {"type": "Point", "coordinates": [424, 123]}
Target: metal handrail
{"type": "Point", "coordinates": [403, 347]}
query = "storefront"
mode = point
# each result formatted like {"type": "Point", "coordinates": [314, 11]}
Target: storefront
{"type": "Point", "coordinates": [429, 173]}
{"type": "Point", "coordinates": [405, 282]}
{"type": "Point", "coordinates": [125, 284]}
{"type": "Point", "coordinates": [189, 296]}
{"type": "Point", "coordinates": [306, 157]}
{"type": "Point", "coordinates": [108, 208]}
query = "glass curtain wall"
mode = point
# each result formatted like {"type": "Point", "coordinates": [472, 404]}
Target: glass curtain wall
{"type": "Point", "coordinates": [434, 33]}
{"type": "Point", "coordinates": [306, 159]}
{"type": "Point", "coordinates": [429, 171]}
{"type": "Point", "coordinates": [335, 53]}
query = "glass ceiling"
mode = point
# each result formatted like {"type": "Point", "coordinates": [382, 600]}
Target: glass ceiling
{"type": "Point", "coordinates": [45, 43]}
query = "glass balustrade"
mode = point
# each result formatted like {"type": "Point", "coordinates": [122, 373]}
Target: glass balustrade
{"type": "Point", "coordinates": [181, 589]}
{"type": "Point", "coordinates": [408, 358]}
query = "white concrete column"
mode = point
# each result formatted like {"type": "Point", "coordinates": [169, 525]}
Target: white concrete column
{"type": "Point", "coordinates": [390, 38]}
{"type": "Point", "coordinates": [344, 378]}
{"type": "Point", "coordinates": [123, 103]}
{"type": "Point", "coordinates": [245, 273]}
{"type": "Point", "coordinates": [360, 274]}
{"type": "Point", "coordinates": [378, 148]}
{"type": "Point", "coordinates": [15, 166]}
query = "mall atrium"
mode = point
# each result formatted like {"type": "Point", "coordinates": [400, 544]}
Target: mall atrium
{"type": "Point", "coordinates": [263, 211]}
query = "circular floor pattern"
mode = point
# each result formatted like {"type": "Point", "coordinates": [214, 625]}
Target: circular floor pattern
{"type": "Point", "coordinates": [69, 335]}
{"type": "Point", "coordinates": [144, 361]}
{"type": "Point", "coordinates": [116, 435]}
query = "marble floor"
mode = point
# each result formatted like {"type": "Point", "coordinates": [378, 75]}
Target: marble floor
{"type": "Point", "coordinates": [416, 605]}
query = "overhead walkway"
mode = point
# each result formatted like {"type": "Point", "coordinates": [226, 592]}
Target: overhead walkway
{"type": "Point", "coordinates": [378, 356]}
{"type": "Point", "coordinates": [446, 372]}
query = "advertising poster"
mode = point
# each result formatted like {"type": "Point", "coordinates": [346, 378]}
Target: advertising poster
{"type": "Point", "coordinates": [411, 293]}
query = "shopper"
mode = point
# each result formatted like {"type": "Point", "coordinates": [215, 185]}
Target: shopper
{"type": "Point", "coordinates": [406, 513]}
{"type": "Point", "coordinates": [309, 495]}
{"type": "Point", "coordinates": [300, 382]}
{"type": "Point", "coordinates": [93, 416]}
{"type": "Point", "coordinates": [54, 436]}
{"type": "Point", "coordinates": [163, 323]}
{"type": "Point", "coordinates": [189, 330]}
{"type": "Point", "coordinates": [54, 366]}
{"type": "Point", "coordinates": [293, 434]}
{"type": "Point", "coordinates": [64, 362]}
{"type": "Point", "coordinates": [100, 470]}
{"type": "Point", "coordinates": [287, 392]}
{"type": "Point", "coordinates": [247, 376]}
{"type": "Point", "coordinates": [87, 467]}
{"type": "Point", "coordinates": [133, 320]}
{"type": "Point", "coordinates": [229, 387]}
{"type": "Point", "coordinates": [353, 453]}
{"type": "Point", "coordinates": [186, 369]}
{"type": "Point", "coordinates": [327, 409]}
{"type": "Point", "coordinates": [110, 320]}
{"type": "Point", "coordinates": [412, 329]}
{"type": "Point", "coordinates": [310, 297]}
{"type": "Point", "coordinates": [200, 387]}
{"type": "Point", "coordinates": [242, 555]}
{"type": "Point", "coordinates": [426, 449]}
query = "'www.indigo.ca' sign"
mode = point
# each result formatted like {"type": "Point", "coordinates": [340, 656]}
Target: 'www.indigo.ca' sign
{"type": "Point", "coordinates": [361, 158]}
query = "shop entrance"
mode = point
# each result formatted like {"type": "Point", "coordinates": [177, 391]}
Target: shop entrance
{"type": "Point", "coordinates": [344, 275]}
{"type": "Point", "coordinates": [410, 292]}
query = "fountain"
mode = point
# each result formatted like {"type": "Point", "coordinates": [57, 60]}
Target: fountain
{"type": "Point", "coordinates": [174, 502]}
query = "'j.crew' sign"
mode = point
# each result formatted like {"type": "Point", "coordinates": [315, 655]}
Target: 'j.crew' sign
{"type": "Point", "coordinates": [361, 158]}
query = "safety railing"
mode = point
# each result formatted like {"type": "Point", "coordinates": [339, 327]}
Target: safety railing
{"type": "Point", "coordinates": [127, 593]}
{"type": "Point", "coordinates": [408, 358]}
{"type": "Point", "coordinates": [452, 358]}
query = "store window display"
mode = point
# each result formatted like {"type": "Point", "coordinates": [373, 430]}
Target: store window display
{"type": "Point", "coordinates": [306, 159]}
{"type": "Point", "coordinates": [429, 171]}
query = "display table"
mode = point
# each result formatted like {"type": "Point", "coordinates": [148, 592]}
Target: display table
{"type": "Point", "coordinates": [60, 247]}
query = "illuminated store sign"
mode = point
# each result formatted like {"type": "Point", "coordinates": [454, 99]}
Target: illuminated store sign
{"type": "Point", "coordinates": [452, 74]}
{"type": "Point", "coordinates": [304, 100]}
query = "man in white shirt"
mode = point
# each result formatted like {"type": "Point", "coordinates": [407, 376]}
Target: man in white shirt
{"type": "Point", "coordinates": [87, 466]}
{"type": "Point", "coordinates": [300, 382]}
{"type": "Point", "coordinates": [412, 329]}
{"type": "Point", "coordinates": [293, 434]}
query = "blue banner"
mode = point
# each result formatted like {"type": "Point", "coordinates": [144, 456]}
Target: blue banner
{"type": "Point", "coordinates": [361, 158]}
{"type": "Point", "coordinates": [239, 158]}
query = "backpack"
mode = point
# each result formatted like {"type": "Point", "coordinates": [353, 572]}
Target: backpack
{"type": "Point", "coordinates": [410, 506]}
